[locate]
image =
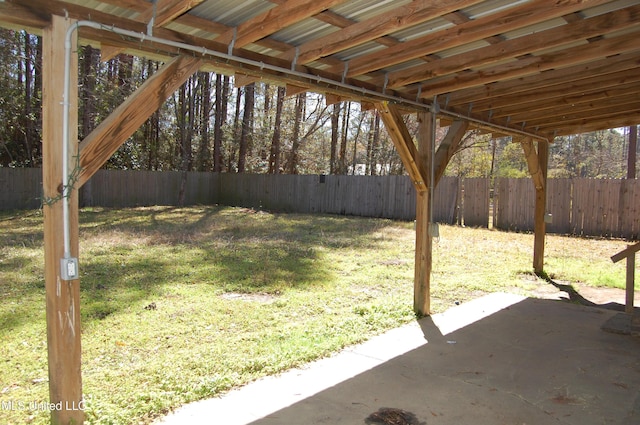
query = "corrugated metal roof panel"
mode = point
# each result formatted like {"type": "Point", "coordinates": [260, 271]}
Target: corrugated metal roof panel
{"type": "Point", "coordinates": [231, 12]}
{"type": "Point", "coordinates": [421, 30]}
{"type": "Point", "coordinates": [607, 7]}
{"type": "Point", "coordinates": [304, 31]}
{"type": "Point", "coordinates": [360, 10]}
{"type": "Point", "coordinates": [491, 7]}
{"type": "Point", "coordinates": [532, 29]}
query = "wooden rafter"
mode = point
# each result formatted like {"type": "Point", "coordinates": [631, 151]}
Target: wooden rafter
{"type": "Point", "coordinates": [544, 97]}
{"type": "Point", "coordinates": [392, 119]}
{"type": "Point", "coordinates": [102, 142]}
{"type": "Point", "coordinates": [274, 20]}
{"type": "Point", "coordinates": [167, 10]}
{"type": "Point", "coordinates": [471, 31]}
{"type": "Point", "coordinates": [538, 41]}
{"type": "Point", "coordinates": [509, 92]}
{"type": "Point", "coordinates": [533, 64]}
{"type": "Point", "coordinates": [599, 102]}
{"type": "Point", "coordinates": [416, 12]}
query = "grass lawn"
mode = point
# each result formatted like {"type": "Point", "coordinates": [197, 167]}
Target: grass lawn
{"type": "Point", "coordinates": [183, 304]}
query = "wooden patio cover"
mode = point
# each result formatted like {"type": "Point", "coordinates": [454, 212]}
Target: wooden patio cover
{"type": "Point", "coordinates": [532, 69]}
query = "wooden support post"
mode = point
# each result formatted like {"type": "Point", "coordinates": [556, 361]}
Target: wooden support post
{"type": "Point", "coordinates": [424, 249]}
{"type": "Point", "coordinates": [630, 284]}
{"type": "Point", "coordinates": [539, 226]}
{"type": "Point", "coordinates": [63, 297]}
{"type": "Point", "coordinates": [418, 165]}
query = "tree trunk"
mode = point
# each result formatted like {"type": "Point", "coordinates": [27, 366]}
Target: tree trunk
{"type": "Point", "coordinates": [220, 114]}
{"type": "Point", "coordinates": [295, 145]}
{"type": "Point", "coordinates": [204, 163]}
{"type": "Point", "coordinates": [274, 155]}
{"type": "Point", "coordinates": [342, 159]}
{"type": "Point", "coordinates": [335, 120]}
{"type": "Point", "coordinates": [186, 122]}
{"type": "Point", "coordinates": [29, 130]}
{"type": "Point", "coordinates": [247, 127]}
{"type": "Point", "coordinates": [88, 99]}
{"type": "Point", "coordinates": [633, 149]}
{"type": "Point", "coordinates": [355, 143]}
{"type": "Point", "coordinates": [236, 129]}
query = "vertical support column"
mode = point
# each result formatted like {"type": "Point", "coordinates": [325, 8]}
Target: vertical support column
{"type": "Point", "coordinates": [423, 259]}
{"type": "Point", "coordinates": [630, 283]}
{"type": "Point", "coordinates": [539, 226]}
{"type": "Point", "coordinates": [63, 297]}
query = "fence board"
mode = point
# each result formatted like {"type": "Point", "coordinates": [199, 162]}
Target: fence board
{"type": "Point", "coordinates": [515, 204]}
{"type": "Point", "coordinates": [445, 200]}
{"type": "Point", "coordinates": [475, 207]}
{"type": "Point", "coordinates": [20, 188]}
{"type": "Point", "coordinates": [629, 210]}
{"type": "Point", "coordinates": [559, 205]}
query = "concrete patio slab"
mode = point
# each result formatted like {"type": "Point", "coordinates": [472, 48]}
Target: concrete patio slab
{"type": "Point", "coordinates": [500, 359]}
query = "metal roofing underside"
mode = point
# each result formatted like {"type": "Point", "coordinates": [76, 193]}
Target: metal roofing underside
{"type": "Point", "coordinates": [545, 67]}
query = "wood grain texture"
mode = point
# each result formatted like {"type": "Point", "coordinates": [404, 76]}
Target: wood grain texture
{"type": "Point", "coordinates": [403, 142]}
{"type": "Point", "coordinates": [63, 297]}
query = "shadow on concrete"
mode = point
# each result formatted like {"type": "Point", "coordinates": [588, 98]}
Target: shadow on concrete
{"type": "Point", "coordinates": [500, 359]}
{"type": "Point", "coordinates": [575, 297]}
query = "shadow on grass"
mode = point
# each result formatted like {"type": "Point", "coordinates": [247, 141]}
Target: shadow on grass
{"type": "Point", "coordinates": [148, 252]}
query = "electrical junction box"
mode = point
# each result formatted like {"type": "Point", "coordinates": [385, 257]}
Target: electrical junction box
{"type": "Point", "coordinates": [69, 268]}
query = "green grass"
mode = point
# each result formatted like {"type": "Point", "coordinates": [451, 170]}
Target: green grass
{"type": "Point", "coordinates": [240, 294]}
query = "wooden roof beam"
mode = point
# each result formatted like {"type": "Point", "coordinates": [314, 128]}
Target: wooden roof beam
{"type": "Point", "coordinates": [548, 95]}
{"type": "Point", "coordinates": [474, 30]}
{"type": "Point", "coordinates": [587, 104]}
{"type": "Point", "coordinates": [274, 20]}
{"type": "Point", "coordinates": [585, 125]}
{"type": "Point", "coordinates": [102, 142]}
{"type": "Point", "coordinates": [402, 140]}
{"type": "Point", "coordinates": [598, 113]}
{"type": "Point", "coordinates": [241, 80]}
{"type": "Point", "coordinates": [552, 77]}
{"type": "Point", "coordinates": [416, 12]}
{"type": "Point", "coordinates": [533, 65]}
{"type": "Point", "coordinates": [292, 89]}
{"type": "Point", "coordinates": [166, 11]}
{"type": "Point", "coordinates": [584, 99]}
{"type": "Point", "coordinates": [542, 40]}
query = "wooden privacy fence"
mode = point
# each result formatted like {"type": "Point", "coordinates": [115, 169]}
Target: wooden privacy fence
{"type": "Point", "coordinates": [368, 196]}
{"type": "Point", "coordinates": [586, 207]}
{"type": "Point", "coordinates": [595, 207]}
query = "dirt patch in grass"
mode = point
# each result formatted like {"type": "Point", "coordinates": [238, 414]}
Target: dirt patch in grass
{"type": "Point", "coordinates": [258, 298]}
